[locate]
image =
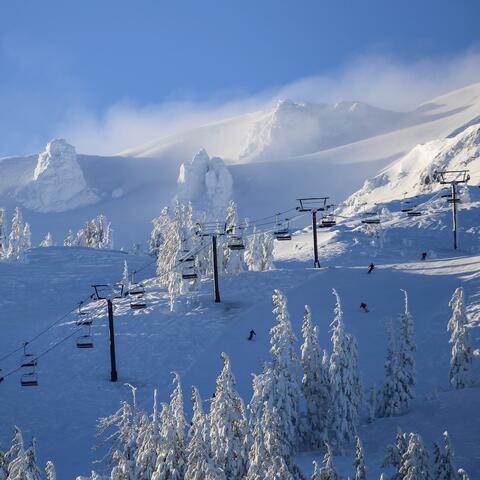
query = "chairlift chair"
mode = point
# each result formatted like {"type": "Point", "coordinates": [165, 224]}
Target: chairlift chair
{"type": "Point", "coordinates": [189, 272]}
{"type": "Point", "coordinates": [137, 290]}
{"type": "Point", "coordinates": [406, 207]}
{"type": "Point", "coordinates": [85, 341]}
{"type": "Point", "coordinates": [327, 221]}
{"type": "Point", "coordinates": [187, 256]}
{"type": "Point", "coordinates": [282, 230]}
{"type": "Point", "coordinates": [414, 213]}
{"type": "Point", "coordinates": [28, 359]}
{"type": "Point", "coordinates": [138, 305]}
{"type": "Point", "coordinates": [29, 380]}
{"type": "Point", "coordinates": [371, 219]}
{"type": "Point", "coordinates": [235, 242]}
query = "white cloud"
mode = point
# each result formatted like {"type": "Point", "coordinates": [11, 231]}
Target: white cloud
{"type": "Point", "coordinates": [381, 81]}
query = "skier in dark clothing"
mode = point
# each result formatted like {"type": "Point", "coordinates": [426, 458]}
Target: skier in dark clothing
{"type": "Point", "coordinates": [363, 306]}
{"type": "Point", "coordinates": [252, 334]}
{"type": "Point", "coordinates": [370, 268]}
{"type": "Point", "coordinates": [424, 255]}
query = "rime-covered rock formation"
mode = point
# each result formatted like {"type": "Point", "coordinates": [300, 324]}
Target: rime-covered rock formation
{"type": "Point", "coordinates": [206, 182]}
{"type": "Point", "coordinates": [58, 183]}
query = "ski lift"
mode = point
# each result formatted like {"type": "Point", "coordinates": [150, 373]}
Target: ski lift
{"type": "Point", "coordinates": [189, 272]}
{"type": "Point", "coordinates": [282, 230]}
{"type": "Point", "coordinates": [371, 219]}
{"type": "Point", "coordinates": [327, 221]}
{"type": "Point", "coordinates": [85, 341]}
{"type": "Point", "coordinates": [235, 242]}
{"type": "Point", "coordinates": [406, 206]}
{"type": "Point", "coordinates": [29, 379]}
{"type": "Point", "coordinates": [414, 213]}
{"type": "Point", "coordinates": [83, 320]}
{"type": "Point", "coordinates": [137, 290]}
{"type": "Point", "coordinates": [187, 256]}
{"type": "Point", "coordinates": [28, 359]}
{"type": "Point", "coordinates": [138, 305]}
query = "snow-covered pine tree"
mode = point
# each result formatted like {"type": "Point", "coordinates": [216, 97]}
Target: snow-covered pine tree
{"type": "Point", "coordinates": [15, 238]}
{"type": "Point", "coordinates": [406, 350]}
{"type": "Point", "coordinates": [26, 242]}
{"type": "Point", "coordinates": [24, 466]}
{"type": "Point", "coordinates": [372, 404]}
{"type": "Point", "coordinates": [122, 469]}
{"type": "Point", "coordinates": [266, 249]}
{"type": "Point", "coordinates": [157, 237]}
{"type": "Point", "coordinates": [415, 463]}
{"type": "Point", "coordinates": [462, 353]}
{"type": "Point", "coordinates": [395, 453]}
{"type": "Point", "coordinates": [390, 400]}
{"type": "Point", "coordinates": [286, 368]}
{"type": "Point", "coordinates": [444, 467]}
{"type": "Point", "coordinates": [253, 251]}
{"type": "Point", "coordinates": [278, 470]}
{"type": "Point", "coordinates": [3, 234]}
{"type": "Point", "coordinates": [328, 472]}
{"type": "Point", "coordinates": [47, 241]}
{"type": "Point", "coordinates": [50, 471]}
{"type": "Point", "coordinates": [228, 425]}
{"type": "Point", "coordinates": [463, 474]}
{"type": "Point", "coordinates": [344, 382]}
{"type": "Point", "coordinates": [359, 462]}
{"type": "Point", "coordinates": [315, 385]}
{"type": "Point", "coordinates": [70, 240]}
{"type": "Point", "coordinates": [199, 462]}
{"type": "Point", "coordinates": [125, 278]}
{"type": "Point", "coordinates": [148, 441]}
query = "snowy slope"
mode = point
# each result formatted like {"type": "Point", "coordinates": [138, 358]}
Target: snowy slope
{"type": "Point", "coordinates": [74, 387]}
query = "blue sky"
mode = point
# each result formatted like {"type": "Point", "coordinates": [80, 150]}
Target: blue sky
{"type": "Point", "coordinates": [64, 61]}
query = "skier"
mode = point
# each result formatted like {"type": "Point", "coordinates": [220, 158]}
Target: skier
{"type": "Point", "coordinates": [363, 306]}
{"type": "Point", "coordinates": [424, 255]}
{"type": "Point", "coordinates": [252, 334]}
{"type": "Point", "coordinates": [370, 268]}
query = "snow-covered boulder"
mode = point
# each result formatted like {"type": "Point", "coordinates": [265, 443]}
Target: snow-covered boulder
{"type": "Point", "coordinates": [58, 183]}
{"type": "Point", "coordinates": [206, 182]}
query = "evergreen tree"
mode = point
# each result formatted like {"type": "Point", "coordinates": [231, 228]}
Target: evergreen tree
{"type": "Point", "coordinates": [395, 453]}
{"type": "Point", "coordinates": [406, 351]}
{"type": "Point", "coordinates": [415, 464]}
{"type": "Point", "coordinates": [160, 226]}
{"type": "Point", "coordinates": [199, 462]}
{"type": "Point", "coordinates": [24, 466]}
{"type": "Point", "coordinates": [125, 278]}
{"type": "Point", "coordinates": [3, 233]}
{"type": "Point", "coordinates": [462, 353]}
{"type": "Point", "coordinates": [50, 471]}
{"type": "Point", "coordinates": [463, 474]}
{"type": "Point", "coordinates": [232, 259]}
{"type": "Point", "coordinates": [148, 441]}
{"type": "Point", "coordinates": [328, 472]}
{"type": "Point", "coordinates": [266, 249]}
{"type": "Point", "coordinates": [47, 241]}
{"type": "Point", "coordinates": [344, 381]}
{"type": "Point", "coordinates": [278, 470]}
{"type": "Point", "coordinates": [315, 385]}
{"type": "Point", "coordinates": [70, 240]}
{"type": "Point", "coordinates": [253, 252]}
{"type": "Point", "coordinates": [228, 425]}
{"type": "Point", "coordinates": [390, 398]}
{"type": "Point", "coordinates": [15, 238]}
{"type": "Point", "coordinates": [443, 461]}
{"type": "Point", "coordinates": [359, 462]}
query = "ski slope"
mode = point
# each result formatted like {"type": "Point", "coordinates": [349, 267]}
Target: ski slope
{"type": "Point", "coordinates": [74, 387]}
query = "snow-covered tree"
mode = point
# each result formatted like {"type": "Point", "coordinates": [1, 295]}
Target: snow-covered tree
{"type": "Point", "coordinates": [233, 259]}
{"type": "Point", "coordinates": [391, 400]}
{"type": "Point", "coordinates": [463, 474]}
{"type": "Point", "coordinates": [415, 463]}
{"type": "Point", "coordinates": [96, 233]}
{"type": "Point", "coordinates": [148, 440]}
{"type": "Point", "coordinates": [47, 241]}
{"type": "Point", "coordinates": [359, 462]}
{"type": "Point", "coordinates": [3, 232]}
{"type": "Point", "coordinates": [69, 240]}
{"type": "Point", "coordinates": [24, 466]}
{"type": "Point", "coordinates": [372, 404]}
{"type": "Point", "coordinates": [462, 353]}
{"type": "Point", "coordinates": [315, 385]}
{"type": "Point", "coordinates": [253, 251]}
{"type": "Point", "coordinates": [327, 472]}
{"type": "Point", "coordinates": [395, 453]}
{"type": "Point", "coordinates": [19, 237]}
{"type": "Point", "coordinates": [50, 471]}
{"type": "Point", "coordinates": [278, 470]}
{"type": "Point", "coordinates": [344, 381]}
{"type": "Point", "coordinates": [266, 249]}
{"type": "Point", "coordinates": [444, 467]}
{"type": "Point", "coordinates": [125, 278]}
{"type": "Point", "coordinates": [406, 351]}
{"type": "Point", "coordinates": [228, 425]}
{"type": "Point", "coordinates": [160, 226]}
{"type": "Point", "coordinates": [199, 462]}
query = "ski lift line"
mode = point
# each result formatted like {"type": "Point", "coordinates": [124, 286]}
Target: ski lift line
{"type": "Point", "coordinates": [42, 332]}
{"type": "Point", "coordinates": [271, 216]}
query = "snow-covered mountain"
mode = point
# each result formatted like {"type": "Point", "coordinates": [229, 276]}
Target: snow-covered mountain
{"type": "Point", "coordinates": [414, 174]}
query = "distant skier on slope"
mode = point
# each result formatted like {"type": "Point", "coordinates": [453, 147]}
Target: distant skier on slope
{"type": "Point", "coordinates": [252, 334]}
{"type": "Point", "coordinates": [363, 306]}
{"type": "Point", "coordinates": [424, 255]}
{"type": "Point", "coordinates": [370, 268]}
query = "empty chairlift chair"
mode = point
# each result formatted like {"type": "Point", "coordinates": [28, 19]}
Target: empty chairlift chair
{"type": "Point", "coordinates": [235, 242]}
{"type": "Point", "coordinates": [137, 292]}
{"type": "Point", "coordinates": [188, 271]}
{"type": "Point", "coordinates": [282, 231]}
{"type": "Point", "coordinates": [327, 221]}
{"type": "Point", "coordinates": [28, 359]}
{"type": "Point", "coordinates": [85, 341]}
{"type": "Point", "coordinates": [371, 218]}
{"type": "Point", "coordinates": [29, 379]}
